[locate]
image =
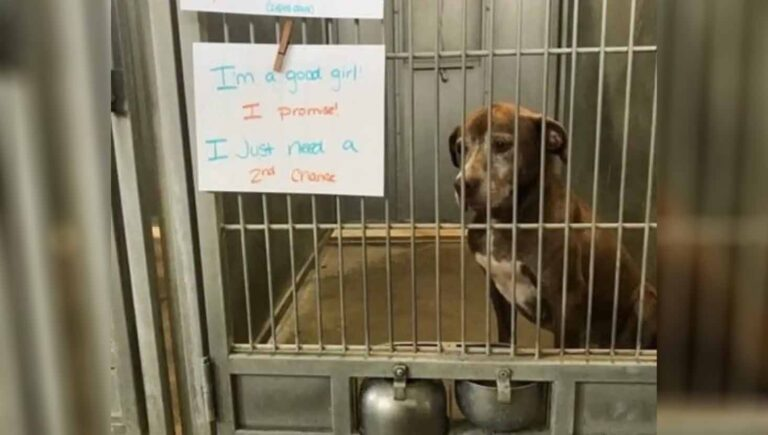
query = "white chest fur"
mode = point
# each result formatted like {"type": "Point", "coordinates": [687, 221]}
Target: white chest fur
{"type": "Point", "coordinates": [510, 280]}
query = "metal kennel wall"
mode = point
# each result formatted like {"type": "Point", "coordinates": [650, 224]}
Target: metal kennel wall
{"type": "Point", "coordinates": [270, 264]}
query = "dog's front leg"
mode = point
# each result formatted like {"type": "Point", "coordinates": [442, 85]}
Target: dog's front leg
{"type": "Point", "coordinates": [574, 338]}
{"type": "Point", "coordinates": [503, 314]}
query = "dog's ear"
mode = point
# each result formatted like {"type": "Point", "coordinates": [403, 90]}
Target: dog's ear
{"type": "Point", "coordinates": [453, 145]}
{"type": "Point", "coordinates": [556, 139]}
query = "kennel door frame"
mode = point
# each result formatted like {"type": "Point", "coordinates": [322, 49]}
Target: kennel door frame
{"type": "Point", "coordinates": [564, 373]}
{"type": "Point", "coordinates": [148, 43]}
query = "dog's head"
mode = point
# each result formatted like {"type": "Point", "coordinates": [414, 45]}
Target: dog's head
{"type": "Point", "coordinates": [476, 147]}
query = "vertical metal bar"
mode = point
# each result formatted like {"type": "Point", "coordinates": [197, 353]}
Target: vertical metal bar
{"type": "Point", "coordinates": [542, 174]}
{"type": "Point", "coordinates": [489, 154]}
{"type": "Point", "coordinates": [622, 185]}
{"type": "Point", "coordinates": [515, 156]}
{"type": "Point", "coordinates": [364, 270]}
{"type": "Point", "coordinates": [289, 209]}
{"type": "Point", "coordinates": [563, 406]}
{"type": "Point", "coordinates": [562, 61]}
{"type": "Point", "coordinates": [341, 404]}
{"type": "Point", "coordinates": [567, 214]}
{"type": "Point", "coordinates": [206, 207]}
{"type": "Point", "coordinates": [177, 204]}
{"type": "Point", "coordinates": [227, 419]}
{"type": "Point", "coordinates": [412, 155]}
{"type": "Point", "coordinates": [268, 255]}
{"type": "Point", "coordinates": [225, 27]}
{"type": "Point", "coordinates": [386, 131]}
{"type": "Point", "coordinates": [438, 32]}
{"type": "Point", "coordinates": [267, 250]}
{"type": "Point", "coordinates": [294, 292]}
{"type": "Point", "coordinates": [463, 193]}
{"type": "Point", "coordinates": [209, 218]}
{"type": "Point", "coordinates": [340, 260]}
{"type": "Point", "coordinates": [246, 281]}
{"type": "Point", "coordinates": [316, 250]}
{"type": "Point", "coordinates": [37, 346]}
{"type": "Point", "coordinates": [595, 179]}
{"type": "Point", "coordinates": [318, 287]}
{"type": "Point", "coordinates": [328, 37]}
{"type": "Point", "coordinates": [388, 265]}
{"type": "Point", "coordinates": [387, 220]}
{"type": "Point", "coordinates": [647, 220]}
{"type": "Point", "coordinates": [364, 239]}
{"type": "Point", "coordinates": [144, 290]}
{"type": "Point", "coordinates": [125, 369]}
{"type": "Point", "coordinates": [244, 253]}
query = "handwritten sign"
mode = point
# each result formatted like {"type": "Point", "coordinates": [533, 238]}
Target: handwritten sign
{"type": "Point", "coordinates": [317, 127]}
{"type": "Point", "coordinates": [295, 8]}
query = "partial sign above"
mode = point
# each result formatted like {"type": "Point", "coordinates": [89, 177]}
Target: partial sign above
{"type": "Point", "coordinates": [317, 127]}
{"type": "Point", "coordinates": [293, 8]}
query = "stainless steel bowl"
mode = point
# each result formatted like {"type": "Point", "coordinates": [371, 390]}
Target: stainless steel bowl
{"type": "Point", "coordinates": [422, 412]}
{"type": "Point", "coordinates": [478, 400]}
{"type": "Point", "coordinates": [467, 428]}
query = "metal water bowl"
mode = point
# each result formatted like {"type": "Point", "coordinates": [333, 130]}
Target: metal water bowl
{"type": "Point", "coordinates": [522, 409]}
{"type": "Point", "coordinates": [421, 411]}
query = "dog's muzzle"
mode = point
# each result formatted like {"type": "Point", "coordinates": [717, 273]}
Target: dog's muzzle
{"type": "Point", "coordinates": [471, 188]}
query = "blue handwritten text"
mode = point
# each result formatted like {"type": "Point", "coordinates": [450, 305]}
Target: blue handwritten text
{"type": "Point", "coordinates": [216, 156]}
{"type": "Point", "coordinates": [290, 8]}
{"type": "Point", "coordinates": [230, 79]}
{"type": "Point", "coordinates": [341, 75]}
{"type": "Point", "coordinates": [306, 148]}
{"type": "Point", "coordinates": [255, 151]}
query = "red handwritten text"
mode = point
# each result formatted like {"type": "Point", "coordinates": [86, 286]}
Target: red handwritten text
{"type": "Point", "coordinates": [250, 111]}
{"type": "Point", "coordinates": [258, 174]}
{"type": "Point", "coordinates": [307, 111]}
{"type": "Point", "coordinates": [304, 176]}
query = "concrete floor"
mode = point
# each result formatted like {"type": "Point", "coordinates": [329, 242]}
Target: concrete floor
{"type": "Point", "coordinates": [426, 301]}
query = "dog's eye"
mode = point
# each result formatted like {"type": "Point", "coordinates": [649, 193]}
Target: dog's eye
{"type": "Point", "coordinates": [500, 145]}
{"type": "Point", "coordinates": [462, 149]}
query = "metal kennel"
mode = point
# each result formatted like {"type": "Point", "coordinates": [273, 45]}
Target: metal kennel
{"type": "Point", "coordinates": [306, 295]}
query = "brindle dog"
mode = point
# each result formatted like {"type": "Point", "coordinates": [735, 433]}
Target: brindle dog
{"type": "Point", "coordinates": [519, 282]}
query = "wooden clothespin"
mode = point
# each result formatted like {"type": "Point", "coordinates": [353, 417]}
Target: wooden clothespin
{"type": "Point", "coordinates": [286, 29]}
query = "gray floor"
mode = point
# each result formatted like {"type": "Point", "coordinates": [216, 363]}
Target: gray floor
{"type": "Point", "coordinates": [426, 301]}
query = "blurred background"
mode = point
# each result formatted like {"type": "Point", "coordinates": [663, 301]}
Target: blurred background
{"type": "Point", "coordinates": [54, 217]}
{"type": "Point", "coordinates": [713, 230]}
{"type": "Point", "coordinates": [57, 258]}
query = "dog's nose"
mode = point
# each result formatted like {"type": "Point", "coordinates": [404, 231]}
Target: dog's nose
{"type": "Point", "coordinates": [470, 187]}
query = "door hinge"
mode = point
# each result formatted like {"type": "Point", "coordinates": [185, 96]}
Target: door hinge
{"type": "Point", "coordinates": [209, 390]}
{"type": "Point", "coordinates": [119, 102]}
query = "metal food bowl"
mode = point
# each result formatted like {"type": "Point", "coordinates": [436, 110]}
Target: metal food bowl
{"type": "Point", "coordinates": [479, 401]}
{"type": "Point", "coordinates": [467, 428]}
{"type": "Point", "coordinates": [421, 412]}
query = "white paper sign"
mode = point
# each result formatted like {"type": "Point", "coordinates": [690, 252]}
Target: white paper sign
{"type": "Point", "coordinates": [295, 8]}
{"type": "Point", "coordinates": [317, 127]}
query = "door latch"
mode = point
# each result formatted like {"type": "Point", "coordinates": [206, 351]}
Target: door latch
{"type": "Point", "coordinates": [504, 386]}
{"type": "Point", "coordinates": [400, 373]}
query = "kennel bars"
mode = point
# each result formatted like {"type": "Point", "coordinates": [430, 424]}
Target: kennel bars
{"type": "Point", "coordinates": [363, 227]}
{"type": "Point", "coordinates": [257, 356]}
